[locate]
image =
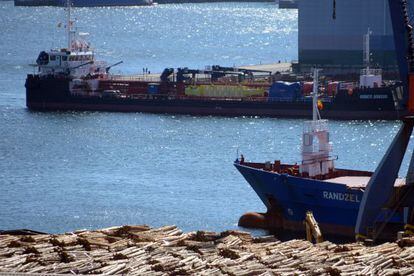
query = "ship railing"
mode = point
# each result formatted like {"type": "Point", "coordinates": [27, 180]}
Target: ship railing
{"type": "Point", "coordinates": [315, 126]}
{"type": "Point", "coordinates": [100, 64]}
{"type": "Point", "coordinates": [238, 98]}
{"type": "Point", "coordinates": [319, 125]}
{"type": "Point", "coordinates": [194, 98]}
{"type": "Point", "coordinates": [370, 71]}
{"type": "Point", "coordinates": [145, 78]}
{"type": "Point", "coordinates": [86, 95]}
{"type": "Point", "coordinates": [206, 81]}
{"type": "Point", "coordinates": [326, 99]}
{"type": "Point", "coordinates": [172, 96]}
{"type": "Point", "coordinates": [317, 149]}
{"type": "Point", "coordinates": [319, 159]}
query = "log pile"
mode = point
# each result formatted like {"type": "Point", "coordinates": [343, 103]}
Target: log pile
{"type": "Point", "coordinates": [141, 250]}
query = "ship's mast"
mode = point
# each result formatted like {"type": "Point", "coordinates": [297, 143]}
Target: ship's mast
{"type": "Point", "coordinates": [69, 24]}
{"type": "Point", "coordinates": [367, 52]}
{"type": "Point", "coordinates": [315, 111]}
{"type": "Point", "coordinates": [316, 147]}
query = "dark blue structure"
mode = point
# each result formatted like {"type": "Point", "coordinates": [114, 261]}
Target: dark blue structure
{"type": "Point", "coordinates": [280, 91]}
{"type": "Point", "coordinates": [379, 189]}
{"type": "Point", "coordinates": [153, 88]}
{"type": "Point", "coordinates": [337, 45]}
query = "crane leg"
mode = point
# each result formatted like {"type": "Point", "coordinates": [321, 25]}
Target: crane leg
{"type": "Point", "coordinates": [380, 186]}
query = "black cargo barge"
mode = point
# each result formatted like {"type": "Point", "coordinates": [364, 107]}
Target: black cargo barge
{"type": "Point", "coordinates": [72, 79]}
{"type": "Point", "coordinates": [53, 94]}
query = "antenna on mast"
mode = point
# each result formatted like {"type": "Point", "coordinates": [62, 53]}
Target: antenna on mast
{"type": "Point", "coordinates": [315, 111]}
{"type": "Point", "coordinates": [367, 51]}
{"type": "Point", "coordinates": [316, 147]}
{"type": "Point", "coordinates": [69, 24]}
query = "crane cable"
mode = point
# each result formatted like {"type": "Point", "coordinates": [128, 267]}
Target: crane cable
{"type": "Point", "coordinates": [334, 10]}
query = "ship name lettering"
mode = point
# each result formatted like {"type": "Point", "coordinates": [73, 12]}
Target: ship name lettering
{"type": "Point", "coordinates": [340, 196]}
{"type": "Point", "coordinates": [373, 96]}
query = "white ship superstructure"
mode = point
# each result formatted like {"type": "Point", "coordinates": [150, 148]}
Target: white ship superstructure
{"type": "Point", "coordinates": [316, 147]}
{"type": "Point", "coordinates": [76, 60]}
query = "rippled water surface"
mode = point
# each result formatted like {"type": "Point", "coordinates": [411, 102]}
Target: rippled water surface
{"type": "Point", "coordinates": [65, 171]}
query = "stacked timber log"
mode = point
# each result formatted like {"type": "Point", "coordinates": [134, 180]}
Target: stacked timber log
{"type": "Point", "coordinates": [141, 250]}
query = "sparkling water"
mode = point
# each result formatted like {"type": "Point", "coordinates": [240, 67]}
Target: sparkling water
{"type": "Point", "coordinates": [61, 171]}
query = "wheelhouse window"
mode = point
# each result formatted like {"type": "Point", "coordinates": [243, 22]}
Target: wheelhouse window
{"type": "Point", "coordinates": [64, 58]}
{"type": "Point", "coordinates": [79, 58]}
{"type": "Point", "coordinates": [52, 58]}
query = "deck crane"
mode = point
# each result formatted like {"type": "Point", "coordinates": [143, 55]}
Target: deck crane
{"type": "Point", "coordinates": [379, 193]}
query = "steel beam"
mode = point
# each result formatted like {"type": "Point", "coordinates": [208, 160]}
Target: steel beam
{"type": "Point", "coordinates": [396, 8]}
{"type": "Point", "coordinates": [380, 186]}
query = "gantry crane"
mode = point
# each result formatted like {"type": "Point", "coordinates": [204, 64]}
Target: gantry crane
{"type": "Point", "coordinates": [380, 193]}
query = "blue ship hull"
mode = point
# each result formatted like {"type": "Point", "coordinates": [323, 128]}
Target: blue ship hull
{"type": "Point", "coordinates": [335, 206]}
